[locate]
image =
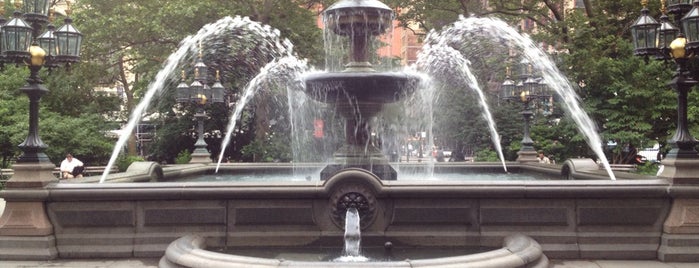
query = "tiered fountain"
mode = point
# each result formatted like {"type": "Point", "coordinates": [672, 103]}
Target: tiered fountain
{"type": "Point", "coordinates": [359, 92]}
{"type": "Point", "coordinates": [634, 217]}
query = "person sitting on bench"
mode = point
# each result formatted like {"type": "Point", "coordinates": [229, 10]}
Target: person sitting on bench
{"type": "Point", "coordinates": [71, 167]}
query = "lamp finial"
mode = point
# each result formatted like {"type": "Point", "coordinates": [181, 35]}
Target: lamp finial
{"type": "Point", "coordinates": [68, 9]}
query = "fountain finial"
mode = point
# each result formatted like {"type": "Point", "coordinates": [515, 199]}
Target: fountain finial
{"type": "Point", "coordinates": [360, 20]}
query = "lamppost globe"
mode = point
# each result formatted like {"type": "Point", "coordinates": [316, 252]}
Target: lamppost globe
{"type": "Point", "coordinates": [677, 48]}
{"type": "Point", "coordinates": [202, 99]}
{"type": "Point", "coordinates": [37, 55]}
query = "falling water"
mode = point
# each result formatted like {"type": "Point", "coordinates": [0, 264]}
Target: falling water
{"type": "Point", "coordinates": [353, 238]}
{"type": "Point", "coordinates": [498, 30]}
{"type": "Point", "coordinates": [242, 26]}
{"type": "Point", "coordinates": [442, 61]}
{"type": "Point", "coordinates": [284, 72]}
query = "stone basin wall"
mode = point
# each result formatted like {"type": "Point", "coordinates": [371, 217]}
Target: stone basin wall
{"type": "Point", "coordinates": [596, 219]}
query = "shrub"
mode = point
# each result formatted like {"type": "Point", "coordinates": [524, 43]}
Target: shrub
{"type": "Point", "coordinates": [125, 161]}
{"type": "Point", "coordinates": [183, 157]}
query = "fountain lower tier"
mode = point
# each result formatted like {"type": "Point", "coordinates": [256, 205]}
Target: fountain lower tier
{"type": "Point", "coordinates": [358, 97]}
{"type": "Point", "coordinates": [578, 219]}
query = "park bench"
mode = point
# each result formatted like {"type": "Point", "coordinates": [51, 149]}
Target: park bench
{"type": "Point", "coordinates": [6, 173]}
{"type": "Point", "coordinates": [621, 167]}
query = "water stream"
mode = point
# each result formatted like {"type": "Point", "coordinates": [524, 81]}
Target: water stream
{"type": "Point", "coordinates": [497, 30]}
{"type": "Point", "coordinates": [285, 70]}
{"type": "Point", "coordinates": [238, 26]}
{"type": "Point", "coordinates": [353, 238]}
{"type": "Point", "coordinates": [450, 66]}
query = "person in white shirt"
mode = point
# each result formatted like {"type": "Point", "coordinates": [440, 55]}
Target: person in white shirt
{"type": "Point", "coordinates": [68, 167]}
{"type": "Point", "coordinates": [543, 159]}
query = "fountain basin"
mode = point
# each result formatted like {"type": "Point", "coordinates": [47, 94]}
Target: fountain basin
{"type": "Point", "coordinates": [517, 251]}
{"type": "Point", "coordinates": [596, 219]}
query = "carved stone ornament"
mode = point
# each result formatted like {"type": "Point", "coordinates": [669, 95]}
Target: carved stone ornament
{"type": "Point", "coordinates": [353, 196]}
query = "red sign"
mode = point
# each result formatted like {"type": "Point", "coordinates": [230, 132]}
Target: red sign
{"type": "Point", "coordinates": [318, 128]}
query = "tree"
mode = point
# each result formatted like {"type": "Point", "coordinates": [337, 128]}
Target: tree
{"type": "Point", "coordinates": [593, 44]}
{"type": "Point", "coordinates": [131, 39]}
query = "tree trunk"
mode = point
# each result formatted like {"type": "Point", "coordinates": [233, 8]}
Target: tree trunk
{"type": "Point", "coordinates": [128, 91]}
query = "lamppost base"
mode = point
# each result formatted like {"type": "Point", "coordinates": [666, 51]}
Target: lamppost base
{"type": "Point", "coordinates": [26, 248]}
{"type": "Point", "coordinates": [680, 237]}
{"type": "Point", "coordinates": [200, 157]}
{"type": "Point", "coordinates": [527, 156]}
{"type": "Point", "coordinates": [680, 170]}
{"type": "Point", "coordinates": [26, 233]}
{"type": "Point", "coordinates": [31, 175]}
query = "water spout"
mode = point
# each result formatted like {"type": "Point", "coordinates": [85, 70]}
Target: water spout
{"type": "Point", "coordinates": [353, 238]}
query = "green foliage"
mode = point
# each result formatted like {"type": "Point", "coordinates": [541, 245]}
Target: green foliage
{"type": "Point", "coordinates": [135, 37]}
{"type": "Point", "coordinates": [183, 157]}
{"type": "Point", "coordinates": [271, 150]}
{"type": "Point", "coordinates": [647, 168]}
{"type": "Point", "coordinates": [124, 161]}
{"type": "Point", "coordinates": [486, 155]}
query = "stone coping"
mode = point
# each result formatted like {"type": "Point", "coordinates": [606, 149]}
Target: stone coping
{"type": "Point", "coordinates": [149, 172]}
{"type": "Point", "coordinates": [517, 251]}
{"type": "Point", "coordinates": [472, 189]}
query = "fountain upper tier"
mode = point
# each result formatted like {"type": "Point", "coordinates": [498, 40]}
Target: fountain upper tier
{"type": "Point", "coordinates": [358, 17]}
{"type": "Point", "coordinates": [360, 21]}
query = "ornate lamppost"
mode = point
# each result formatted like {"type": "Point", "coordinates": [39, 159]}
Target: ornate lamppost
{"type": "Point", "coordinates": [24, 225]}
{"type": "Point", "coordinates": [199, 93]}
{"type": "Point", "coordinates": [528, 89]}
{"type": "Point", "coordinates": [21, 41]}
{"type": "Point", "coordinates": [663, 41]}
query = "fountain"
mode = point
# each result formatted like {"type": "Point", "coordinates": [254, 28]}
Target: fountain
{"type": "Point", "coordinates": [359, 92]}
{"type": "Point", "coordinates": [185, 223]}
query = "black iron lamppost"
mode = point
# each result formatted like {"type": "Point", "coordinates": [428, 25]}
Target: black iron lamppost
{"type": "Point", "coordinates": [664, 41]}
{"type": "Point", "coordinates": [21, 42]}
{"type": "Point", "coordinates": [528, 89]}
{"type": "Point", "coordinates": [200, 94]}
{"type": "Point", "coordinates": [25, 211]}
